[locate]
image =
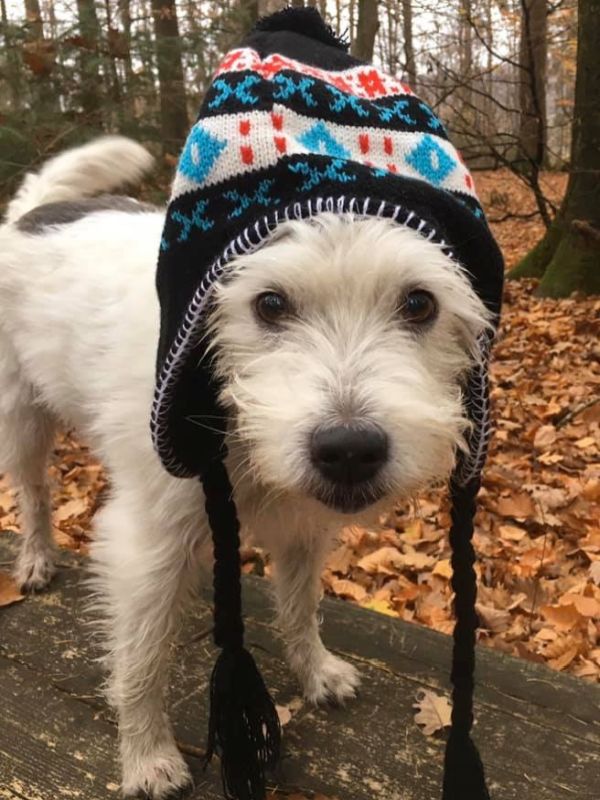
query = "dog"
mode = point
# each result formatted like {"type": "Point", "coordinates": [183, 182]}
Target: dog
{"type": "Point", "coordinates": [368, 332]}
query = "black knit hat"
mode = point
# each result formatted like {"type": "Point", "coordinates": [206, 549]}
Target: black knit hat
{"type": "Point", "coordinates": [293, 126]}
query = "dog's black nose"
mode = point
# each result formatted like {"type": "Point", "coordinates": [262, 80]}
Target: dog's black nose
{"type": "Point", "coordinates": [347, 454]}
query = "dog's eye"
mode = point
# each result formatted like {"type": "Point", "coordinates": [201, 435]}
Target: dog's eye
{"type": "Point", "coordinates": [272, 307]}
{"type": "Point", "coordinates": [418, 307]}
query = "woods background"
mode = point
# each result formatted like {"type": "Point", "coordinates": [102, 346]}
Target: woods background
{"type": "Point", "coordinates": [518, 84]}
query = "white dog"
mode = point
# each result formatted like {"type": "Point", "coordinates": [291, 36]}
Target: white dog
{"type": "Point", "coordinates": [385, 329]}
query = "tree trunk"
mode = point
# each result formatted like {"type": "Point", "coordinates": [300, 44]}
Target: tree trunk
{"type": "Point", "coordinates": [39, 54]}
{"type": "Point", "coordinates": [465, 35]}
{"type": "Point", "coordinates": [532, 82]}
{"type": "Point", "coordinates": [113, 75]}
{"type": "Point", "coordinates": [13, 71]}
{"type": "Point", "coordinates": [130, 81]}
{"type": "Point", "coordinates": [249, 11]}
{"type": "Point", "coordinates": [366, 30]}
{"type": "Point", "coordinates": [89, 61]}
{"type": "Point", "coordinates": [33, 16]}
{"type": "Point", "coordinates": [173, 111]}
{"type": "Point", "coordinates": [409, 48]}
{"type": "Point", "coordinates": [568, 256]}
{"type": "Point", "coordinates": [266, 7]}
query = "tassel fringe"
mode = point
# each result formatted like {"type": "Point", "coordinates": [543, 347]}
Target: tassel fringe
{"type": "Point", "coordinates": [244, 729]}
{"type": "Point", "coordinates": [463, 771]}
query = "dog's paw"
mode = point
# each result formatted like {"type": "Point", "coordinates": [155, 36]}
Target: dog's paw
{"type": "Point", "coordinates": [34, 569]}
{"type": "Point", "coordinates": [332, 681]}
{"type": "Point", "coordinates": [162, 775]}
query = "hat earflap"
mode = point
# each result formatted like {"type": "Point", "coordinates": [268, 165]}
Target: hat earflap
{"type": "Point", "coordinates": [464, 777]}
{"type": "Point", "coordinates": [243, 728]}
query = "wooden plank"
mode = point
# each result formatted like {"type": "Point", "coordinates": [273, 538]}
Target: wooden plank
{"type": "Point", "coordinates": [565, 703]}
{"type": "Point", "coordinates": [537, 730]}
{"type": "Point", "coordinates": [52, 746]}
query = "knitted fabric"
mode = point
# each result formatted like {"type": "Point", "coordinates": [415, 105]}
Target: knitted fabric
{"type": "Point", "coordinates": [279, 137]}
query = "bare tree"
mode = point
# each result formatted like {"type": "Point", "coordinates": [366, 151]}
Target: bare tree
{"type": "Point", "coordinates": [366, 30]}
{"type": "Point", "coordinates": [532, 83]}
{"type": "Point", "coordinates": [124, 7]}
{"type": "Point", "coordinates": [173, 108]}
{"type": "Point", "coordinates": [89, 61]}
{"type": "Point", "coordinates": [13, 72]}
{"type": "Point", "coordinates": [409, 48]}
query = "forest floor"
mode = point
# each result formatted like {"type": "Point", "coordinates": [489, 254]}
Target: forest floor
{"type": "Point", "coordinates": [538, 535]}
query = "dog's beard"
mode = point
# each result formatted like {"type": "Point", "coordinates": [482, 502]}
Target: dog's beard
{"type": "Point", "coordinates": [343, 356]}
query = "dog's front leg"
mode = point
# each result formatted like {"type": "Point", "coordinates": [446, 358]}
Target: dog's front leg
{"type": "Point", "coordinates": [143, 575]}
{"type": "Point", "coordinates": [325, 678]}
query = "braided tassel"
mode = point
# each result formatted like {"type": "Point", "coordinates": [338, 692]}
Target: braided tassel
{"type": "Point", "coordinates": [464, 777]}
{"type": "Point", "coordinates": [243, 727]}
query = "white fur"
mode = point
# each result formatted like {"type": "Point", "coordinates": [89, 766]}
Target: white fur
{"type": "Point", "coordinates": [100, 166]}
{"type": "Point", "coordinates": [78, 331]}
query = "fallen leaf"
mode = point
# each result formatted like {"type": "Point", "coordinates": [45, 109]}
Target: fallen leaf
{"type": "Point", "coordinates": [493, 619]}
{"type": "Point", "coordinates": [511, 532]}
{"type": "Point", "coordinates": [519, 506]}
{"type": "Point", "coordinates": [347, 588]}
{"type": "Point", "coordinates": [381, 560]}
{"type": "Point", "coordinates": [381, 606]}
{"type": "Point", "coordinates": [433, 711]}
{"type": "Point", "coordinates": [72, 508]}
{"type": "Point", "coordinates": [586, 606]}
{"type": "Point", "coordinates": [9, 591]}
{"type": "Point", "coordinates": [585, 442]}
{"type": "Point", "coordinates": [562, 617]}
{"type": "Point", "coordinates": [340, 559]}
{"type": "Point", "coordinates": [565, 659]}
{"type": "Point", "coordinates": [544, 437]}
{"type": "Point", "coordinates": [443, 568]}
{"type": "Point", "coordinates": [417, 561]}
{"type": "Point", "coordinates": [284, 714]}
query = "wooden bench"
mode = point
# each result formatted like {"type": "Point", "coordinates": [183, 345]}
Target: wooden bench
{"type": "Point", "coordinates": [538, 731]}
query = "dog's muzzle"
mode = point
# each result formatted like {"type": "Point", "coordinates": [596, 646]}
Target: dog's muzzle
{"type": "Point", "coordinates": [349, 459]}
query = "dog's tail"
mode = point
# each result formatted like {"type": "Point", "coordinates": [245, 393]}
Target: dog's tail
{"type": "Point", "coordinates": [103, 165]}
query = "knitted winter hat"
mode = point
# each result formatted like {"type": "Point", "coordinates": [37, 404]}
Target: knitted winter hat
{"type": "Point", "coordinates": [290, 127]}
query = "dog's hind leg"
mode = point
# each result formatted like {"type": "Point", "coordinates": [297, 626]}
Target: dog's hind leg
{"type": "Point", "coordinates": [26, 437]}
{"type": "Point", "coordinates": [298, 561]}
{"type": "Point", "coordinates": [144, 570]}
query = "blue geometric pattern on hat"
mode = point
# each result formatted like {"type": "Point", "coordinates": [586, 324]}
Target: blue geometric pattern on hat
{"type": "Point", "coordinates": [287, 88]}
{"type": "Point", "coordinates": [343, 100]}
{"type": "Point", "coordinates": [431, 161]}
{"type": "Point", "coordinates": [395, 111]}
{"type": "Point", "coordinates": [197, 219]}
{"type": "Point", "coordinates": [200, 152]}
{"type": "Point", "coordinates": [433, 122]}
{"type": "Point", "coordinates": [318, 139]}
{"type": "Point", "coordinates": [260, 197]}
{"type": "Point", "coordinates": [334, 171]}
{"type": "Point", "coordinates": [241, 91]}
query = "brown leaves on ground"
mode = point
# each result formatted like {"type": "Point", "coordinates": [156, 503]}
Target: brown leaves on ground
{"type": "Point", "coordinates": [78, 486]}
{"type": "Point", "coordinates": [537, 534]}
{"type": "Point", "coordinates": [507, 198]}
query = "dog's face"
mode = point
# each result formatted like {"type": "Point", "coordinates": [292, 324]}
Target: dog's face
{"type": "Point", "coordinates": [342, 346]}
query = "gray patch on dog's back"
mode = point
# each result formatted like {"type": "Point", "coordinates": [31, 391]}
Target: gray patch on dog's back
{"type": "Point", "coordinates": [66, 211]}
